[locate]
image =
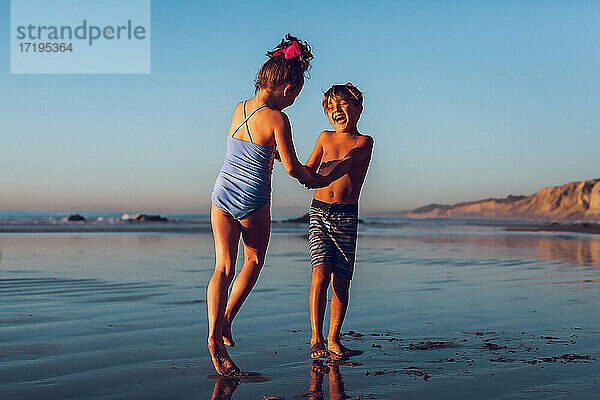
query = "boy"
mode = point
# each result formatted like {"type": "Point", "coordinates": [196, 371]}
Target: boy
{"type": "Point", "coordinates": [343, 156]}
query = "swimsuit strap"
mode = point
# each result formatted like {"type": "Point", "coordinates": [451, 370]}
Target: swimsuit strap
{"type": "Point", "coordinates": [246, 120]}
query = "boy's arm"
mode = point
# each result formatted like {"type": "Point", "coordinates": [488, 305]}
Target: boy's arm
{"type": "Point", "coordinates": [314, 161]}
{"type": "Point", "coordinates": [357, 155]}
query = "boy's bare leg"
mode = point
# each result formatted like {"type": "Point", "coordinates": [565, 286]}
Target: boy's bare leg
{"type": "Point", "coordinates": [337, 310]}
{"type": "Point", "coordinates": [226, 232]}
{"type": "Point", "coordinates": [317, 300]}
{"type": "Point", "coordinates": [255, 234]}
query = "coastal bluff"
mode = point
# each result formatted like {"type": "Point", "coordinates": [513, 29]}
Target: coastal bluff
{"type": "Point", "coordinates": [575, 201]}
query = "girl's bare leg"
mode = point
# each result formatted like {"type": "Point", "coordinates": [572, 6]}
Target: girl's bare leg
{"type": "Point", "coordinates": [226, 232]}
{"type": "Point", "coordinates": [255, 234]}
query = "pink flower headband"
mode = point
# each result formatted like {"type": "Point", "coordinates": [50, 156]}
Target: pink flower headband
{"type": "Point", "coordinates": [292, 51]}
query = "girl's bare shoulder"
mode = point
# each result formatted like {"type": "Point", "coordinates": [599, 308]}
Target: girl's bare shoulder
{"type": "Point", "coordinates": [274, 117]}
{"type": "Point", "coordinates": [266, 114]}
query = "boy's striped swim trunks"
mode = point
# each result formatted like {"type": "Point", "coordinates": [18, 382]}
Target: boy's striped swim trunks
{"type": "Point", "coordinates": [332, 236]}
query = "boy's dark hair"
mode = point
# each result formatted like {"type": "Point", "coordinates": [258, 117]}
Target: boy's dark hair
{"type": "Point", "coordinates": [347, 92]}
{"type": "Point", "coordinates": [278, 69]}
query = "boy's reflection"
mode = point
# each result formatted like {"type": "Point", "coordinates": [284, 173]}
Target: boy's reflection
{"type": "Point", "coordinates": [336, 384]}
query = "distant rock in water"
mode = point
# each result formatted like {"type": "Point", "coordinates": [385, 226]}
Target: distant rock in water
{"type": "Point", "coordinates": [573, 201]}
{"type": "Point", "coordinates": [305, 219]}
{"type": "Point", "coordinates": [143, 218]}
{"type": "Point", "coordinates": [76, 218]}
{"type": "Point", "coordinates": [151, 218]}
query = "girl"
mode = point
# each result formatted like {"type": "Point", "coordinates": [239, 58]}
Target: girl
{"type": "Point", "coordinates": [242, 192]}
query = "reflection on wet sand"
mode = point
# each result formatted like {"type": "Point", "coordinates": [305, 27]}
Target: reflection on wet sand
{"type": "Point", "coordinates": [336, 384]}
{"type": "Point", "coordinates": [224, 388]}
{"type": "Point", "coordinates": [581, 250]}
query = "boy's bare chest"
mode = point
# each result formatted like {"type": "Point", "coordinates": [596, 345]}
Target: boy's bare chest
{"type": "Point", "coordinates": [334, 150]}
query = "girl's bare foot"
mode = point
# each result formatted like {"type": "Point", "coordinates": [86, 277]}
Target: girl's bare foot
{"type": "Point", "coordinates": [227, 337]}
{"type": "Point", "coordinates": [338, 351]}
{"type": "Point", "coordinates": [224, 365]}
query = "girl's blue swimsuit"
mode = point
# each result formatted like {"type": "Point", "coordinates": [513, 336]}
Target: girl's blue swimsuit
{"type": "Point", "coordinates": [243, 185]}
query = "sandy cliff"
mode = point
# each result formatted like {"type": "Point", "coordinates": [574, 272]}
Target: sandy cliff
{"type": "Point", "coordinates": [573, 201]}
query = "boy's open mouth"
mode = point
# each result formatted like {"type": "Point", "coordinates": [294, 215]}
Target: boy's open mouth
{"type": "Point", "coordinates": [339, 118]}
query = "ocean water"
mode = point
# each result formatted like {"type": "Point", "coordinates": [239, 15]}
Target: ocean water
{"type": "Point", "coordinates": [51, 222]}
{"type": "Point", "coordinates": [441, 309]}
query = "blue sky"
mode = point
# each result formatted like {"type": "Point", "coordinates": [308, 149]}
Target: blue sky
{"type": "Point", "coordinates": [465, 100]}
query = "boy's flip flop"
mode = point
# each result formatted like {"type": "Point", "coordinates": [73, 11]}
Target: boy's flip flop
{"type": "Point", "coordinates": [318, 350]}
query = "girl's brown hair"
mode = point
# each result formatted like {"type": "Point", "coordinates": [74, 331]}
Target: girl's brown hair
{"type": "Point", "coordinates": [278, 70]}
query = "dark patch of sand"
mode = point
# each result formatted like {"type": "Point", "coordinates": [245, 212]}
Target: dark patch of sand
{"type": "Point", "coordinates": [186, 302]}
{"type": "Point", "coordinates": [245, 376]}
{"type": "Point", "coordinates": [430, 345]}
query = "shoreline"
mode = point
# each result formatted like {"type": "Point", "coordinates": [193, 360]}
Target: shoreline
{"type": "Point", "coordinates": [588, 228]}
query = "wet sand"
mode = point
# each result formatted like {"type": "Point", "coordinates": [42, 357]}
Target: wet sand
{"type": "Point", "coordinates": [479, 313]}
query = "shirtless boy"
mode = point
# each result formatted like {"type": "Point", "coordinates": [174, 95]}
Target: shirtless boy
{"type": "Point", "coordinates": [343, 157]}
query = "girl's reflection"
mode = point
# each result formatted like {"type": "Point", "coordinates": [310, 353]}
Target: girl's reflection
{"type": "Point", "coordinates": [224, 388]}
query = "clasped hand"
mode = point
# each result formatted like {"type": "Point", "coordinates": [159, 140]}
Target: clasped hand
{"type": "Point", "coordinates": [317, 181]}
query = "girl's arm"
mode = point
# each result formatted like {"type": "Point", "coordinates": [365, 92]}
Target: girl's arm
{"type": "Point", "coordinates": [285, 146]}
{"type": "Point", "coordinates": [314, 161]}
